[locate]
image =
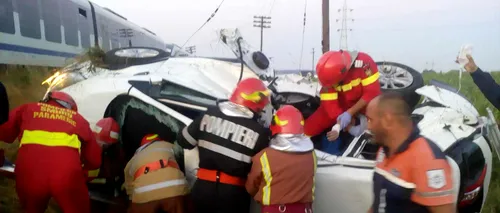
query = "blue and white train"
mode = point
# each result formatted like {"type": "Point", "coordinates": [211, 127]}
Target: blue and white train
{"type": "Point", "coordinates": [48, 32]}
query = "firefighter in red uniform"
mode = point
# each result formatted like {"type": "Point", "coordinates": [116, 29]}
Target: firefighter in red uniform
{"type": "Point", "coordinates": [349, 81]}
{"type": "Point", "coordinates": [282, 175]}
{"type": "Point", "coordinates": [106, 132]}
{"type": "Point", "coordinates": [52, 135]}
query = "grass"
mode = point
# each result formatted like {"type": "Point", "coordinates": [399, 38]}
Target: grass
{"type": "Point", "coordinates": [23, 84]}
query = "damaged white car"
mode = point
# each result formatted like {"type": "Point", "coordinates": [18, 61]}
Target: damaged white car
{"type": "Point", "coordinates": [149, 90]}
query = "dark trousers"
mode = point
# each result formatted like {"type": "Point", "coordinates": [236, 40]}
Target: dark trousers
{"type": "Point", "coordinates": [212, 197]}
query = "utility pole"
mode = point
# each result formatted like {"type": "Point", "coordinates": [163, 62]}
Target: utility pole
{"type": "Point", "coordinates": [344, 29]}
{"type": "Point", "coordinates": [259, 22]}
{"type": "Point", "coordinates": [326, 26]}
{"type": "Point", "coordinates": [313, 61]}
{"type": "Point", "coordinates": [191, 50]}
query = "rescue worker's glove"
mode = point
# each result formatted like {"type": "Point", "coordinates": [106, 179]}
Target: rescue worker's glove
{"type": "Point", "coordinates": [344, 120]}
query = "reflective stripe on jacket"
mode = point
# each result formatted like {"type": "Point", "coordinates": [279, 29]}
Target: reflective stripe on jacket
{"type": "Point", "coordinates": [158, 184]}
{"type": "Point", "coordinates": [280, 177]}
{"type": "Point", "coordinates": [52, 126]}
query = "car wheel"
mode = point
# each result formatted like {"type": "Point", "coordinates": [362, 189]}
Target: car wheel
{"type": "Point", "coordinates": [124, 57]}
{"type": "Point", "coordinates": [400, 78]}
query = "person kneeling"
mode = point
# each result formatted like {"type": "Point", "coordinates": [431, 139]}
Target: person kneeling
{"type": "Point", "coordinates": [153, 179]}
{"type": "Point", "coordinates": [282, 175]}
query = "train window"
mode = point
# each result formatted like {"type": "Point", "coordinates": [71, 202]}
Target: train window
{"type": "Point", "coordinates": [104, 33]}
{"type": "Point", "coordinates": [69, 17]}
{"type": "Point", "coordinates": [29, 18]}
{"type": "Point", "coordinates": [83, 25]}
{"type": "Point", "coordinates": [7, 17]}
{"type": "Point", "coordinates": [52, 20]}
{"type": "Point", "coordinates": [82, 12]}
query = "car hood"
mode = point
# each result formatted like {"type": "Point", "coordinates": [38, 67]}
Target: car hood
{"type": "Point", "coordinates": [450, 99]}
{"type": "Point", "coordinates": [209, 76]}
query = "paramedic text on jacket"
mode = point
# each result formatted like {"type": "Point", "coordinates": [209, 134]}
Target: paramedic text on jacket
{"type": "Point", "coordinates": [228, 136]}
{"type": "Point", "coordinates": [52, 135]}
{"type": "Point", "coordinates": [412, 174]}
{"type": "Point", "coordinates": [349, 82]}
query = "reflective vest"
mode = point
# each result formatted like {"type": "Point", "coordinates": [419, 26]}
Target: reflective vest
{"type": "Point", "coordinates": [152, 174]}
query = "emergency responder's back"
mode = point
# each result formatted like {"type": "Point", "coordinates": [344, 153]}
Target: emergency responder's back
{"type": "Point", "coordinates": [287, 181]}
{"type": "Point", "coordinates": [140, 177]}
{"type": "Point", "coordinates": [52, 135]}
{"type": "Point", "coordinates": [55, 126]}
{"type": "Point", "coordinates": [228, 141]}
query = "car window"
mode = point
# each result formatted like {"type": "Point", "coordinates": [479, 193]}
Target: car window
{"type": "Point", "coordinates": [174, 91]}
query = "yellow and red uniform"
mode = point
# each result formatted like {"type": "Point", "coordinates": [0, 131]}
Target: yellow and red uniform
{"type": "Point", "coordinates": [49, 163]}
{"type": "Point", "coordinates": [360, 82]}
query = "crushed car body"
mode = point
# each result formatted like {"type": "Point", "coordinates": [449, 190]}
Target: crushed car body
{"type": "Point", "coordinates": [168, 92]}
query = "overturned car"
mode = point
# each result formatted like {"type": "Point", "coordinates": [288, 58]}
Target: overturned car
{"type": "Point", "coordinates": [147, 90]}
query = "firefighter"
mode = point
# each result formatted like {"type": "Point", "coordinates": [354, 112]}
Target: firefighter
{"type": "Point", "coordinates": [153, 179]}
{"type": "Point", "coordinates": [349, 81]}
{"type": "Point", "coordinates": [106, 132]}
{"type": "Point", "coordinates": [228, 136]}
{"type": "Point", "coordinates": [282, 175]}
{"type": "Point", "coordinates": [52, 135]}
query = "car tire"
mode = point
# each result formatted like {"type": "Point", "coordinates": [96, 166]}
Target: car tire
{"type": "Point", "coordinates": [118, 59]}
{"type": "Point", "coordinates": [395, 70]}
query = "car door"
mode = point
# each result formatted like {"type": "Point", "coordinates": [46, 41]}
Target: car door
{"type": "Point", "coordinates": [344, 183]}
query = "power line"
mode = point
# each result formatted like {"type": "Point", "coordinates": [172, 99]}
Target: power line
{"type": "Point", "coordinates": [206, 22]}
{"type": "Point", "coordinates": [303, 32]}
{"type": "Point", "coordinates": [272, 6]}
{"type": "Point", "coordinates": [259, 22]}
{"type": "Point", "coordinates": [344, 29]}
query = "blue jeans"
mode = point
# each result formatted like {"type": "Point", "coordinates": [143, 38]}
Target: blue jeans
{"type": "Point", "coordinates": [331, 147]}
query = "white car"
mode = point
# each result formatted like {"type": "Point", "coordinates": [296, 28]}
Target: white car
{"type": "Point", "coordinates": [157, 93]}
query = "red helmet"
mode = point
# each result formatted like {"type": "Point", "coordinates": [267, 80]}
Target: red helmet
{"type": "Point", "coordinates": [251, 93]}
{"type": "Point", "coordinates": [106, 131]}
{"type": "Point", "coordinates": [63, 99]}
{"type": "Point", "coordinates": [287, 120]}
{"type": "Point", "coordinates": [150, 138]}
{"type": "Point", "coordinates": [332, 67]}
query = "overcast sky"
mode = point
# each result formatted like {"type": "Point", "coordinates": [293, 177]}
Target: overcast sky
{"type": "Point", "coordinates": [417, 33]}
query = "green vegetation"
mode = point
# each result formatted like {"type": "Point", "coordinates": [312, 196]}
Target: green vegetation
{"type": "Point", "coordinates": [23, 84]}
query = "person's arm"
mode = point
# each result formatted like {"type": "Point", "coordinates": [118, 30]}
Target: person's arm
{"type": "Point", "coordinates": [187, 138]}
{"type": "Point", "coordinates": [488, 86]}
{"type": "Point", "coordinates": [369, 83]}
{"type": "Point", "coordinates": [370, 210]}
{"type": "Point", "coordinates": [90, 149]}
{"type": "Point", "coordinates": [11, 129]}
{"type": "Point", "coordinates": [434, 184]}
{"type": "Point", "coordinates": [255, 176]}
